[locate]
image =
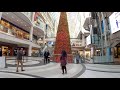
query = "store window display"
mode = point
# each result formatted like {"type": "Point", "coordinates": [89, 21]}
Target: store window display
{"type": "Point", "coordinates": [12, 30]}
{"type": "Point", "coordinates": [4, 50]}
{"type": "Point", "coordinates": [3, 26]}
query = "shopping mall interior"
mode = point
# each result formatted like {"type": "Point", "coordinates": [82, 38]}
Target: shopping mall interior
{"type": "Point", "coordinates": [93, 36]}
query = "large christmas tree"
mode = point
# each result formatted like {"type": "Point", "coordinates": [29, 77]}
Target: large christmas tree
{"type": "Point", "coordinates": [62, 39]}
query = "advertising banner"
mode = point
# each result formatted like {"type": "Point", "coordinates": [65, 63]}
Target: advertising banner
{"type": "Point", "coordinates": [115, 22]}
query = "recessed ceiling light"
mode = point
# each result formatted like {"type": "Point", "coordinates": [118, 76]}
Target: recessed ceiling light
{"type": "Point", "coordinates": [7, 13]}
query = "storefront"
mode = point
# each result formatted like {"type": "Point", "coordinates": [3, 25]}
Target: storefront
{"type": "Point", "coordinates": [117, 51]}
{"type": "Point", "coordinates": [10, 29]}
{"type": "Point", "coordinates": [35, 51]}
{"type": "Point", "coordinates": [9, 49]}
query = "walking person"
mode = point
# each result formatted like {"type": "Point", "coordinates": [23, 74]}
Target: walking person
{"type": "Point", "coordinates": [48, 56]}
{"type": "Point", "coordinates": [77, 56]}
{"type": "Point", "coordinates": [63, 61]}
{"type": "Point", "coordinates": [19, 59]}
{"type": "Point", "coordinates": [45, 57]}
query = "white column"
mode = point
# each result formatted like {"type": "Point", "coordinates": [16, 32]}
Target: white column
{"type": "Point", "coordinates": [92, 52]}
{"type": "Point", "coordinates": [30, 50]}
{"type": "Point", "coordinates": [31, 30]}
{"type": "Point", "coordinates": [0, 15]}
{"type": "Point", "coordinates": [31, 33]}
{"type": "Point", "coordinates": [104, 22]}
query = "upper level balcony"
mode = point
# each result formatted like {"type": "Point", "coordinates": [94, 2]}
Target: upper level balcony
{"type": "Point", "coordinates": [28, 14]}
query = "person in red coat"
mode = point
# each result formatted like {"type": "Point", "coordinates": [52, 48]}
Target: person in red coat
{"type": "Point", "coordinates": [63, 61]}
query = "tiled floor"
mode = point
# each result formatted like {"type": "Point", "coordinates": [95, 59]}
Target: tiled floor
{"type": "Point", "coordinates": [33, 69]}
{"type": "Point", "coordinates": [51, 70]}
{"type": "Point", "coordinates": [97, 74]}
{"type": "Point", "coordinates": [101, 71]}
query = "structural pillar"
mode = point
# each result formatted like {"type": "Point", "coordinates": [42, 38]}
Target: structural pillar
{"type": "Point", "coordinates": [107, 44]}
{"type": "Point", "coordinates": [30, 50]}
{"type": "Point", "coordinates": [31, 29]}
{"type": "Point", "coordinates": [92, 52]}
{"type": "Point", "coordinates": [31, 35]}
{"type": "Point", "coordinates": [108, 53]}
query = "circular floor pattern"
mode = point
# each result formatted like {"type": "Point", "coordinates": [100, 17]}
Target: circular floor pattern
{"type": "Point", "coordinates": [30, 65]}
{"type": "Point", "coordinates": [35, 76]}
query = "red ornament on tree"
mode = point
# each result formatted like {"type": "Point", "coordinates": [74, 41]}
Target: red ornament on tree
{"type": "Point", "coordinates": [63, 39]}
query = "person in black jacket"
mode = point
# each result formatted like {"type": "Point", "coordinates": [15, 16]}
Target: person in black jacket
{"type": "Point", "coordinates": [19, 59]}
{"type": "Point", "coordinates": [0, 52]}
{"type": "Point", "coordinates": [48, 56]}
{"type": "Point", "coordinates": [45, 57]}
